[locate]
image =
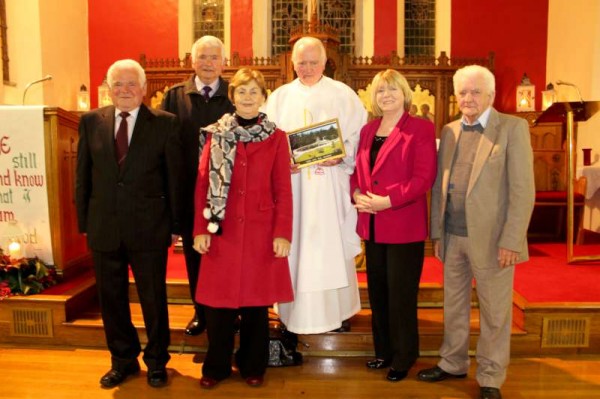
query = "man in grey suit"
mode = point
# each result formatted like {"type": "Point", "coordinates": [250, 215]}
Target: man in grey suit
{"type": "Point", "coordinates": [481, 204]}
{"type": "Point", "coordinates": [127, 194]}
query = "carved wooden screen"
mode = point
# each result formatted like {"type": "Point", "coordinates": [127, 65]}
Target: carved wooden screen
{"type": "Point", "coordinates": [431, 73]}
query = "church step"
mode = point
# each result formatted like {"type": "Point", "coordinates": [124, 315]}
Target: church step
{"type": "Point", "coordinates": [87, 330]}
{"type": "Point", "coordinates": [431, 295]}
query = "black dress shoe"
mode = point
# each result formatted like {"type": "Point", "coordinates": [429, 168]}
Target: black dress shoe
{"type": "Point", "coordinates": [157, 378]}
{"type": "Point", "coordinates": [396, 375]}
{"type": "Point", "coordinates": [114, 377]}
{"type": "Point", "coordinates": [345, 327]}
{"type": "Point", "coordinates": [195, 327]}
{"type": "Point", "coordinates": [489, 393]}
{"type": "Point", "coordinates": [378, 364]}
{"type": "Point", "coordinates": [436, 374]}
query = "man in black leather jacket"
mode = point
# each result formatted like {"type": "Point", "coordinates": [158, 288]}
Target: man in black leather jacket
{"type": "Point", "coordinates": [198, 102]}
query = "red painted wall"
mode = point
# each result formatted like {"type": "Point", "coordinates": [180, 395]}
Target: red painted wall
{"type": "Point", "coordinates": [127, 28]}
{"type": "Point", "coordinates": [386, 27]}
{"type": "Point", "coordinates": [241, 27]}
{"type": "Point", "coordinates": [515, 30]}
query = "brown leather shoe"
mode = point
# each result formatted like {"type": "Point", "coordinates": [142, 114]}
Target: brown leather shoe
{"type": "Point", "coordinates": [114, 377]}
{"type": "Point", "coordinates": [436, 374]}
{"type": "Point", "coordinates": [207, 382]}
{"type": "Point", "coordinates": [255, 381]}
{"type": "Point", "coordinates": [489, 393]}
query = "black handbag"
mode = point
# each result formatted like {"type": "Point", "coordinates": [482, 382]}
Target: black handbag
{"type": "Point", "coordinates": [283, 346]}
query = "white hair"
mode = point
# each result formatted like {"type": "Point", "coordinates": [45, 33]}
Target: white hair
{"type": "Point", "coordinates": [475, 70]}
{"type": "Point", "coordinates": [208, 41]}
{"type": "Point", "coordinates": [309, 41]}
{"type": "Point", "coordinates": [125, 64]}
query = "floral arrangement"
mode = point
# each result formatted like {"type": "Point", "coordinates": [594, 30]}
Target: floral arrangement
{"type": "Point", "coordinates": [24, 276]}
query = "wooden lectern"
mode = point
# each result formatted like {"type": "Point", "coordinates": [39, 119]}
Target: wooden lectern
{"type": "Point", "coordinates": [570, 112]}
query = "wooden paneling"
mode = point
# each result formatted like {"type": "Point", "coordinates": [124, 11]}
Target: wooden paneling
{"type": "Point", "coordinates": [68, 246]}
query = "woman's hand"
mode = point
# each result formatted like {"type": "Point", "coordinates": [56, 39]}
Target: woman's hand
{"type": "Point", "coordinates": [378, 202]}
{"type": "Point", "coordinates": [281, 247]}
{"type": "Point", "coordinates": [371, 203]}
{"type": "Point", "coordinates": [202, 243]}
{"type": "Point", "coordinates": [362, 203]}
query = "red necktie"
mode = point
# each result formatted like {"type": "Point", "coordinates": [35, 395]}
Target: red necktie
{"type": "Point", "coordinates": [121, 141]}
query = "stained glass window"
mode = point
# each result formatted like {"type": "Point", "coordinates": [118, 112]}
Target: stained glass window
{"type": "Point", "coordinates": [340, 14]}
{"type": "Point", "coordinates": [419, 27]}
{"type": "Point", "coordinates": [286, 15]}
{"type": "Point", "coordinates": [209, 18]}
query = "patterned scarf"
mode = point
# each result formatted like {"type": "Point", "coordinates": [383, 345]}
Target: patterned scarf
{"type": "Point", "coordinates": [226, 133]}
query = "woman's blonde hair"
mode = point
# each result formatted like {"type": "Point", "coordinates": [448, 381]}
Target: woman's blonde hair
{"type": "Point", "coordinates": [394, 79]}
{"type": "Point", "coordinates": [244, 76]}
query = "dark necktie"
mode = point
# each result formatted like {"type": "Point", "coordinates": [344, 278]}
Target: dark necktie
{"type": "Point", "coordinates": [121, 142]}
{"type": "Point", "coordinates": [472, 128]}
{"type": "Point", "coordinates": [205, 92]}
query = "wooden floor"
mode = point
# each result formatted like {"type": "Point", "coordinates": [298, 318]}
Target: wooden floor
{"type": "Point", "coordinates": [74, 373]}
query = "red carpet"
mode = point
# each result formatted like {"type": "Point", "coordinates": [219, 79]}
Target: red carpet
{"type": "Point", "coordinates": [546, 277]}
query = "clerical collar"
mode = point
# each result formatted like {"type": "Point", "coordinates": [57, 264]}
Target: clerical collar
{"type": "Point", "coordinates": [483, 118]}
{"type": "Point", "coordinates": [214, 85]}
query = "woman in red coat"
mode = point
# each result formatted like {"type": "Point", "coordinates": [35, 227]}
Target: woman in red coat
{"type": "Point", "coordinates": [243, 228]}
{"type": "Point", "coordinates": [395, 167]}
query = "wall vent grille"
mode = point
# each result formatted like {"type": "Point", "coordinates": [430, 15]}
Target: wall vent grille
{"type": "Point", "coordinates": [31, 323]}
{"type": "Point", "coordinates": [566, 332]}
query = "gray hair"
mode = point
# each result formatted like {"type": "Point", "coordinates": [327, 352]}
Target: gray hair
{"type": "Point", "coordinates": [309, 41]}
{"type": "Point", "coordinates": [125, 64]}
{"type": "Point", "coordinates": [208, 41]}
{"type": "Point", "coordinates": [475, 70]}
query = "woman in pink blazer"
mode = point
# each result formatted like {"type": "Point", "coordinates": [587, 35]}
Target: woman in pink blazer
{"type": "Point", "coordinates": [395, 167]}
{"type": "Point", "coordinates": [243, 228]}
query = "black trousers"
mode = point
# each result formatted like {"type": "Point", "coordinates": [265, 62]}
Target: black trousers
{"type": "Point", "coordinates": [393, 275]}
{"type": "Point", "coordinates": [112, 279]}
{"type": "Point", "coordinates": [253, 354]}
{"type": "Point", "coordinates": [192, 264]}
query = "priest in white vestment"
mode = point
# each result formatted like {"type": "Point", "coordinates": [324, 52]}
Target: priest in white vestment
{"type": "Point", "coordinates": [324, 241]}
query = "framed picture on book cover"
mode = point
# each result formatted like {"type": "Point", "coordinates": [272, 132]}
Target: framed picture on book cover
{"type": "Point", "coordinates": [316, 143]}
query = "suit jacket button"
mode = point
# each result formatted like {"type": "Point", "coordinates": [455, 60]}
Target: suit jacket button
{"type": "Point", "coordinates": [120, 184]}
{"type": "Point", "coordinates": [376, 182]}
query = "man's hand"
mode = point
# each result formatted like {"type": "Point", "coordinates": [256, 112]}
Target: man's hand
{"type": "Point", "coordinates": [202, 243]}
{"type": "Point", "coordinates": [436, 249]}
{"type": "Point", "coordinates": [281, 247]}
{"type": "Point", "coordinates": [331, 162]}
{"type": "Point", "coordinates": [507, 258]}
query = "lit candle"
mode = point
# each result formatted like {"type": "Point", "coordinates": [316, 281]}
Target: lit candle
{"type": "Point", "coordinates": [14, 250]}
